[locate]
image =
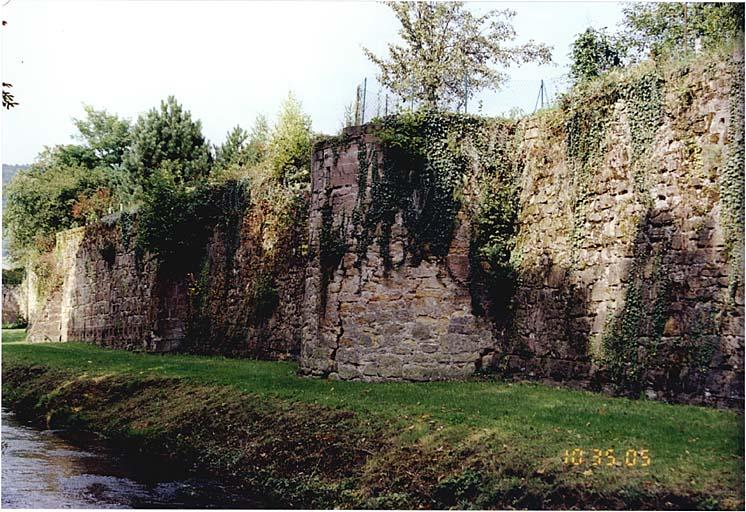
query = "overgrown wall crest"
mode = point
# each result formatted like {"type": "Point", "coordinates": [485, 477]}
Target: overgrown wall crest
{"type": "Point", "coordinates": [599, 243]}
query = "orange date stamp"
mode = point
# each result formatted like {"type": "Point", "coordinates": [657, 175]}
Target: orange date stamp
{"type": "Point", "coordinates": [597, 457]}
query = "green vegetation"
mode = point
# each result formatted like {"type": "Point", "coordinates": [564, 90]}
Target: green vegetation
{"type": "Point", "coordinates": [594, 52]}
{"type": "Point", "coordinates": [448, 53]}
{"type": "Point", "coordinates": [437, 444]}
{"type": "Point", "coordinates": [732, 184]}
{"type": "Point", "coordinates": [428, 156]}
{"type": "Point", "coordinates": [589, 111]}
{"type": "Point", "coordinates": [290, 145]}
{"type": "Point", "coordinates": [168, 137]}
{"type": "Point", "coordinates": [661, 31]}
{"type": "Point", "coordinates": [105, 135]}
{"type": "Point", "coordinates": [13, 276]}
{"type": "Point", "coordinates": [14, 335]}
{"type": "Point", "coordinates": [631, 340]}
{"type": "Point", "coordinates": [175, 221]}
{"type": "Point", "coordinates": [234, 151]}
{"type": "Point", "coordinates": [64, 188]}
{"type": "Point", "coordinates": [664, 30]}
{"type": "Point", "coordinates": [161, 178]}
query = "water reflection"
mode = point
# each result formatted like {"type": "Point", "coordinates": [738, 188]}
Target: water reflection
{"type": "Point", "coordinates": [42, 469]}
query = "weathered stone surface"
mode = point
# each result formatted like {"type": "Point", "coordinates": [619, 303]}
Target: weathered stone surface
{"type": "Point", "coordinates": [131, 302]}
{"type": "Point", "coordinates": [675, 224]}
{"type": "Point", "coordinates": [13, 302]}
{"type": "Point", "coordinates": [577, 269]}
{"type": "Point", "coordinates": [396, 319]}
{"type": "Point", "coordinates": [575, 272]}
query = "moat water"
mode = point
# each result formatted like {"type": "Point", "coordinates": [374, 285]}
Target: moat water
{"type": "Point", "coordinates": [59, 469]}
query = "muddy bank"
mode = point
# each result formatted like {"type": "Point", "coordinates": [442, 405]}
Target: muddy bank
{"type": "Point", "coordinates": [300, 455]}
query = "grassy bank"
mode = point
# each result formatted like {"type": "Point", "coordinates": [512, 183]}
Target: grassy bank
{"type": "Point", "coordinates": [308, 442]}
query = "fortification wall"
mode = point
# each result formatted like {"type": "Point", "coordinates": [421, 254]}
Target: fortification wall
{"type": "Point", "coordinates": [252, 288]}
{"type": "Point", "coordinates": [109, 293]}
{"type": "Point", "coordinates": [623, 260]}
{"type": "Point", "coordinates": [629, 276]}
{"type": "Point", "coordinates": [362, 321]}
{"type": "Point", "coordinates": [12, 304]}
{"type": "Point", "coordinates": [629, 266]}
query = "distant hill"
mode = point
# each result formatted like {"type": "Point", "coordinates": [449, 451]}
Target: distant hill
{"type": "Point", "coordinates": [10, 170]}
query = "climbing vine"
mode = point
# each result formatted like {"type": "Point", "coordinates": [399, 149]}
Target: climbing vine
{"type": "Point", "coordinates": [126, 223]}
{"type": "Point", "coordinates": [732, 183]}
{"type": "Point", "coordinates": [176, 222]}
{"type": "Point", "coordinates": [644, 108]}
{"type": "Point", "coordinates": [332, 245]}
{"type": "Point", "coordinates": [589, 112]}
{"type": "Point", "coordinates": [428, 157]}
{"type": "Point", "coordinates": [631, 341]}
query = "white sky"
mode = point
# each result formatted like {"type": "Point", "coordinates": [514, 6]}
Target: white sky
{"type": "Point", "coordinates": [228, 61]}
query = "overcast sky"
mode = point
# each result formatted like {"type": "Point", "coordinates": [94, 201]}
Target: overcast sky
{"type": "Point", "coordinates": [229, 61]}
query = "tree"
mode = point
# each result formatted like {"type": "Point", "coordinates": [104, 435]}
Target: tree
{"type": "Point", "coordinates": [660, 29]}
{"type": "Point", "coordinates": [290, 144]}
{"type": "Point", "coordinates": [174, 219]}
{"type": "Point", "coordinates": [234, 151]}
{"type": "Point", "coordinates": [106, 139]}
{"type": "Point", "coordinates": [108, 136]}
{"type": "Point", "coordinates": [168, 135]}
{"type": "Point", "coordinates": [448, 53]}
{"type": "Point", "coordinates": [258, 147]}
{"type": "Point", "coordinates": [70, 184]}
{"type": "Point", "coordinates": [594, 52]}
{"type": "Point", "coordinates": [51, 196]}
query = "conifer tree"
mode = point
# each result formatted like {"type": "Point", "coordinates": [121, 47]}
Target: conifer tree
{"type": "Point", "coordinates": [234, 151]}
{"type": "Point", "coordinates": [168, 135]}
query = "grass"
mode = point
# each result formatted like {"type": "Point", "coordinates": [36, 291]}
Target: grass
{"type": "Point", "coordinates": [523, 426]}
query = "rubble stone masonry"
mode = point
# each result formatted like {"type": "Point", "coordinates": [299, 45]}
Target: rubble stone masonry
{"type": "Point", "coordinates": [660, 249]}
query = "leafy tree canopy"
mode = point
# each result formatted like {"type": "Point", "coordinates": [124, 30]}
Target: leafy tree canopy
{"type": "Point", "coordinates": [290, 143]}
{"type": "Point", "coordinates": [69, 185]}
{"type": "Point", "coordinates": [168, 135]}
{"type": "Point", "coordinates": [106, 135]}
{"type": "Point", "coordinates": [663, 28]}
{"type": "Point", "coordinates": [258, 146]}
{"type": "Point", "coordinates": [444, 46]}
{"type": "Point", "coordinates": [595, 52]}
{"type": "Point", "coordinates": [51, 196]}
{"type": "Point", "coordinates": [174, 218]}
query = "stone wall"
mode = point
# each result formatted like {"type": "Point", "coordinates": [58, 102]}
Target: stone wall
{"type": "Point", "coordinates": [12, 304]}
{"type": "Point", "coordinates": [261, 257]}
{"type": "Point", "coordinates": [413, 322]}
{"type": "Point", "coordinates": [109, 293]}
{"type": "Point", "coordinates": [651, 251]}
{"type": "Point", "coordinates": [656, 253]}
{"type": "Point", "coordinates": [629, 273]}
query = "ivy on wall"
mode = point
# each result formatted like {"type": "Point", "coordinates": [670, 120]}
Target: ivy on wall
{"type": "Point", "coordinates": [631, 340]}
{"type": "Point", "coordinates": [332, 245]}
{"type": "Point", "coordinates": [589, 112]}
{"type": "Point", "coordinates": [732, 182]}
{"type": "Point", "coordinates": [433, 165]}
